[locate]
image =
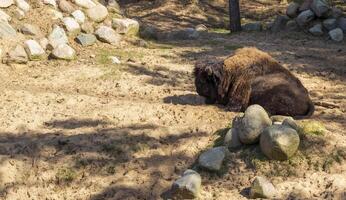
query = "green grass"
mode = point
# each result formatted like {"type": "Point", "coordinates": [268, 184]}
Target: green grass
{"type": "Point", "coordinates": [312, 128]}
{"type": "Point", "coordinates": [65, 175]}
{"type": "Point", "coordinates": [220, 30]}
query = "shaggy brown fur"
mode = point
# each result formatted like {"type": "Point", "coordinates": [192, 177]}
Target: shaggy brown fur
{"type": "Point", "coordinates": [249, 77]}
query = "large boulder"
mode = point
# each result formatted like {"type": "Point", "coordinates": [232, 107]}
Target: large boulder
{"type": "Point", "coordinates": [305, 5]}
{"type": "Point", "coordinates": [97, 13]}
{"type": "Point", "coordinates": [57, 37]}
{"type": "Point", "coordinates": [213, 158]}
{"type": "Point", "coordinates": [250, 126]}
{"type": "Point", "coordinates": [34, 50]}
{"type": "Point", "coordinates": [6, 3]}
{"type": "Point", "coordinates": [64, 52]}
{"type": "Point", "coordinates": [316, 30]}
{"type": "Point", "coordinates": [279, 142]}
{"type": "Point", "coordinates": [262, 188]}
{"type": "Point", "coordinates": [336, 34]}
{"type": "Point", "coordinates": [6, 30]}
{"type": "Point", "coordinates": [320, 7]}
{"type": "Point", "coordinates": [292, 10]}
{"type": "Point", "coordinates": [188, 186]}
{"type": "Point", "coordinates": [305, 17]}
{"type": "Point", "coordinates": [108, 35]}
{"type": "Point", "coordinates": [126, 26]}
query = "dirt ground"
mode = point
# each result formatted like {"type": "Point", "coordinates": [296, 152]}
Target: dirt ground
{"type": "Point", "coordinates": [89, 129]}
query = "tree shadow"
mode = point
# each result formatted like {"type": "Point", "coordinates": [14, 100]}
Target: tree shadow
{"type": "Point", "coordinates": [187, 99]}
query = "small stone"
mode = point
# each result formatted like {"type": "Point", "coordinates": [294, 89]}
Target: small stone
{"type": "Point", "coordinates": [57, 36]}
{"type": "Point", "coordinates": [64, 52]}
{"type": "Point", "coordinates": [44, 43]}
{"type": "Point", "coordinates": [262, 188]}
{"type": "Point", "coordinates": [108, 35]}
{"type": "Point", "coordinates": [336, 13]}
{"type": "Point", "coordinates": [330, 24]}
{"type": "Point", "coordinates": [342, 23]}
{"type": "Point", "coordinates": [85, 3]}
{"type": "Point", "coordinates": [213, 158]}
{"type": "Point", "coordinates": [232, 139]}
{"type": "Point", "coordinates": [71, 25]}
{"type": "Point", "coordinates": [86, 39]}
{"type": "Point", "coordinates": [305, 5]}
{"type": "Point", "coordinates": [6, 3]}
{"type": "Point", "coordinates": [20, 15]}
{"type": "Point", "coordinates": [126, 26]}
{"type": "Point", "coordinates": [305, 17]}
{"type": "Point", "coordinates": [6, 30]}
{"type": "Point", "coordinates": [336, 34]}
{"type": "Point", "coordinates": [51, 3]}
{"type": "Point", "coordinates": [78, 16]}
{"type": "Point", "coordinates": [23, 5]}
{"type": "Point", "coordinates": [65, 6]}
{"type": "Point", "coordinates": [4, 17]}
{"type": "Point", "coordinates": [87, 27]}
{"type": "Point", "coordinates": [201, 28]}
{"type": "Point", "coordinates": [188, 186]}
{"type": "Point", "coordinates": [97, 13]}
{"type": "Point", "coordinates": [279, 23]}
{"type": "Point", "coordinates": [55, 14]}
{"type": "Point", "coordinates": [316, 30]}
{"type": "Point", "coordinates": [114, 60]}
{"type": "Point", "coordinates": [255, 26]}
{"type": "Point", "coordinates": [320, 7]}
{"type": "Point", "coordinates": [34, 50]}
{"type": "Point", "coordinates": [17, 55]}
{"type": "Point", "coordinates": [292, 10]}
{"type": "Point", "coordinates": [29, 29]}
{"type": "Point", "coordinates": [279, 142]}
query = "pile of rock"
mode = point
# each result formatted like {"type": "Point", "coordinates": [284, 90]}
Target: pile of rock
{"type": "Point", "coordinates": [83, 21]}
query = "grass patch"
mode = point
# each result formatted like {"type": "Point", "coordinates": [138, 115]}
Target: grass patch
{"type": "Point", "coordinates": [220, 30]}
{"type": "Point", "coordinates": [312, 128]}
{"type": "Point", "coordinates": [65, 175]}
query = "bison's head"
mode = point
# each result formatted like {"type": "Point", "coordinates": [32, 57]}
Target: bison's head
{"type": "Point", "coordinates": [207, 80]}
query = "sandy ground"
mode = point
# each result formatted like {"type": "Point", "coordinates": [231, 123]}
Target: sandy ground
{"type": "Point", "coordinates": [89, 129]}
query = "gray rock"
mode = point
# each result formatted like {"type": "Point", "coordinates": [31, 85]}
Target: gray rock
{"type": "Point", "coordinates": [71, 25]}
{"type": "Point", "coordinates": [305, 5]}
{"type": "Point", "coordinates": [149, 32]}
{"type": "Point", "coordinates": [6, 3]}
{"type": "Point", "coordinates": [108, 35]}
{"type": "Point", "coordinates": [85, 3]}
{"type": "Point", "coordinates": [255, 26]}
{"type": "Point", "coordinates": [320, 7]}
{"type": "Point", "coordinates": [126, 26]}
{"type": "Point", "coordinates": [87, 27]}
{"type": "Point", "coordinates": [279, 142]}
{"type": "Point", "coordinates": [6, 30]}
{"type": "Point", "coordinates": [262, 188]}
{"type": "Point", "coordinates": [65, 6]}
{"type": "Point", "coordinates": [316, 30]}
{"type": "Point", "coordinates": [29, 29]}
{"type": "Point", "coordinates": [57, 37]}
{"type": "Point", "coordinates": [250, 126]}
{"type": "Point", "coordinates": [305, 17]}
{"type": "Point", "coordinates": [79, 16]}
{"type": "Point", "coordinates": [336, 34]}
{"type": "Point", "coordinates": [342, 23]}
{"type": "Point", "coordinates": [4, 16]}
{"type": "Point", "coordinates": [232, 139]}
{"type": "Point", "coordinates": [23, 5]}
{"type": "Point", "coordinates": [292, 26]}
{"type": "Point", "coordinates": [292, 10]}
{"type": "Point", "coordinates": [291, 123]}
{"type": "Point", "coordinates": [64, 52]}
{"type": "Point", "coordinates": [336, 13]}
{"type": "Point", "coordinates": [97, 13]}
{"type": "Point", "coordinates": [279, 118]}
{"type": "Point", "coordinates": [330, 24]}
{"type": "Point", "coordinates": [213, 158]}
{"type": "Point", "coordinates": [185, 34]}
{"type": "Point", "coordinates": [279, 23]}
{"type": "Point", "coordinates": [34, 50]}
{"type": "Point", "coordinates": [17, 55]}
{"type": "Point", "coordinates": [188, 186]}
{"type": "Point", "coordinates": [86, 39]}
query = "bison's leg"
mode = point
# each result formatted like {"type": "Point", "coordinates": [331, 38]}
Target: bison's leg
{"type": "Point", "coordinates": [239, 96]}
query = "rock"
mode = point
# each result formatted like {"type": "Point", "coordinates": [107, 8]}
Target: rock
{"type": "Point", "coordinates": [108, 35]}
{"type": "Point", "coordinates": [201, 28]}
{"type": "Point", "coordinates": [6, 3]}
{"type": "Point", "coordinates": [34, 50]}
{"type": "Point", "coordinates": [289, 122]}
{"type": "Point", "coordinates": [279, 23]}
{"type": "Point", "coordinates": [23, 5]}
{"type": "Point", "coordinates": [55, 14]}
{"type": "Point", "coordinates": [86, 39]}
{"type": "Point", "coordinates": [44, 43]}
{"type": "Point", "coordinates": [6, 30]}
{"type": "Point", "coordinates": [279, 118]}
{"type": "Point", "coordinates": [213, 158]}
{"type": "Point", "coordinates": [79, 16]}
{"type": "Point", "coordinates": [28, 29]}
{"type": "Point", "coordinates": [305, 5]}
{"type": "Point", "coordinates": [65, 6]}
{"type": "Point", "coordinates": [305, 17]}
{"type": "Point", "coordinates": [64, 52]}
{"type": "Point", "coordinates": [316, 30]}
{"type": "Point", "coordinates": [279, 142]}
{"type": "Point", "coordinates": [85, 3]}
{"type": "Point", "coordinates": [342, 24]}
{"type": "Point", "coordinates": [292, 10]}
{"type": "Point", "coordinates": [149, 32]}
{"type": "Point", "coordinates": [113, 7]}
{"type": "Point", "coordinates": [114, 60]}
{"type": "Point", "coordinates": [262, 188]}
{"type": "Point", "coordinates": [185, 34]}
{"type": "Point", "coordinates": [330, 24]}
{"type": "Point", "coordinates": [87, 27]}
{"type": "Point", "coordinates": [188, 186]}
{"type": "Point", "coordinates": [255, 26]}
{"type": "Point", "coordinates": [126, 26]}
{"type": "Point", "coordinates": [250, 126]}
{"type": "Point", "coordinates": [71, 25]}
{"type": "Point", "coordinates": [319, 7]}
{"type": "Point", "coordinates": [97, 13]}
{"type": "Point", "coordinates": [17, 55]}
{"type": "Point", "coordinates": [57, 37]}
{"type": "Point", "coordinates": [4, 17]}
{"type": "Point", "coordinates": [20, 15]}
{"type": "Point", "coordinates": [51, 3]}
{"type": "Point", "coordinates": [336, 34]}
{"type": "Point", "coordinates": [292, 25]}
{"type": "Point", "coordinates": [336, 13]}
{"type": "Point", "coordinates": [232, 139]}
